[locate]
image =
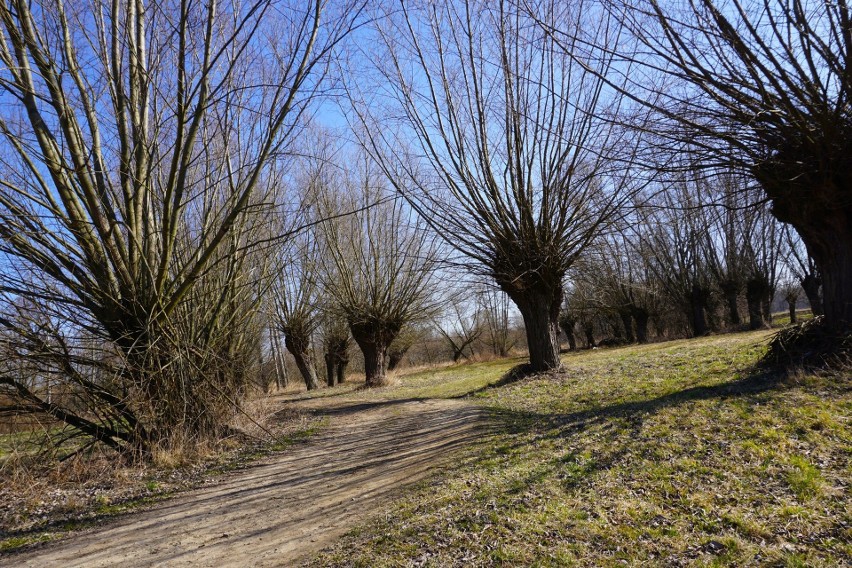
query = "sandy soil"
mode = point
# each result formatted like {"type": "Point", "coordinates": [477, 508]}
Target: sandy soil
{"type": "Point", "coordinates": [284, 508]}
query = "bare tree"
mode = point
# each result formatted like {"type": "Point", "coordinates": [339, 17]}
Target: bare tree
{"type": "Point", "coordinates": [726, 243]}
{"type": "Point", "coordinates": [379, 261]}
{"type": "Point", "coordinates": [762, 87]}
{"type": "Point", "coordinates": [762, 261]}
{"type": "Point", "coordinates": [512, 162]}
{"type": "Point", "coordinates": [136, 145]}
{"type": "Point", "coordinates": [790, 291]}
{"type": "Point", "coordinates": [296, 302]}
{"type": "Point", "coordinates": [495, 312]}
{"type": "Point", "coordinates": [405, 340]}
{"type": "Point", "coordinates": [618, 280]}
{"type": "Point", "coordinates": [671, 233]}
{"type": "Point", "coordinates": [461, 325]}
{"type": "Point", "coordinates": [335, 339]}
{"type": "Point", "coordinates": [802, 266]}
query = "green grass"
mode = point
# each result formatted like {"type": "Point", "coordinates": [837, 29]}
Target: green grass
{"type": "Point", "coordinates": [780, 319]}
{"type": "Point", "coordinates": [21, 541]}
{"type": "Point", "coordinates": [668, 453]}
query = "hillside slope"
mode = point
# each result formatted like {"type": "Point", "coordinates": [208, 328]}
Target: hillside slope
{"type": "Point", "coordinates": [674, 454]}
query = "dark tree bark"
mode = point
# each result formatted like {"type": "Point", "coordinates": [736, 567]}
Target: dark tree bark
{"type": "Point", "coordinates": [697, 318]}
{"type": "Point", "coordinates": [627, 321]}
{"type": "Point", "coordinates": [730, 290]}
{"type": "Point", "coordinates": [342, 363]}
{"type": "Point", "coordinates": [374, 339]}
{"type": "Point", "coordinates": [567, 323]}
{"type": "Point", "coordinates": [812, 284]}
{"type": "Point", "coordinates": [299, 348]}
{"type": "Point", "coordinates": [540, 311]}
{"type": "Point", "coordinates": [336, 346]}
{"type": "Point", "coordinates": [792, 307]}
{"type": "Point", "coordinates": [641, 317]}
{"type": "Point", "coordinates": [329, 369]}
{"type": "Point", "coordinates": [816, 204]}
{"type": "Point", "coordinates": [589, 331]}
{"type": "Point", "coordinates": [756, 290]}
{"type": "Point", "coordinates": [615, 325]}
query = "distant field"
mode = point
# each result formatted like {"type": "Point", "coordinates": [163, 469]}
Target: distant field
{"type": "Point", "coordinates": [666, 454]}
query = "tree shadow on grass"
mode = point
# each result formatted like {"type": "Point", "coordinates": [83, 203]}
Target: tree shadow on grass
{"type": "Point", "coordinates": [513, 375]}
{"type": "Point", "coordinates": [618, 428]}
{"type": "Point", "coordinates": [634, 412]}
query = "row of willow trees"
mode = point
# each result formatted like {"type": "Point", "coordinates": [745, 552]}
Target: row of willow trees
{"type": "Point", "coordinates": [155, 205]}
{"type": "Point", "coordinates": [699, 258]}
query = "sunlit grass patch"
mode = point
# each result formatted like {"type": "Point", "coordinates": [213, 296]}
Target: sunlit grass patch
{"type": "Point", "coordinates": [671, 453]}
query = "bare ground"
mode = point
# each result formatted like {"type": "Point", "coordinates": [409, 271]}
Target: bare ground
{"type": "Point", "coordinates": [284, 508]}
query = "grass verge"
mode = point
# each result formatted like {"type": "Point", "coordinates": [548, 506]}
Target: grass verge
{"type": "Point", "coordinates": [673, 454]}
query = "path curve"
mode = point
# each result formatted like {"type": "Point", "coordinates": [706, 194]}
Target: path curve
{"type": "Point", "coordinates": [282, 510]}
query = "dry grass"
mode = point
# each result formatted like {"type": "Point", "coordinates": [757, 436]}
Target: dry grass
{"type": "Point", "coordinates": [672, 454]}
{"type": "Point", "coordinates": [40, 499]}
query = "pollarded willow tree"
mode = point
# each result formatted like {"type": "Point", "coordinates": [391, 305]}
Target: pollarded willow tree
{"type": "Point", "coordinates": [296, 303]}
{"type": "Point", "coordinates": [498, 139]}
{"type": "Point", "coordinates": [136, 141]}
{"type": "Point", "coordinates": [379, 265]}
{"type": "Point", "coordinates": [763, 87]}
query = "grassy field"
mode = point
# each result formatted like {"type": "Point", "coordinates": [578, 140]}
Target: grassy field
{"type": "Point", "coordinates": [672, 454]}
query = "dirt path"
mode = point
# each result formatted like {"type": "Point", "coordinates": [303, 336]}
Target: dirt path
{"type": "Point", "coordinates": [288, 507]}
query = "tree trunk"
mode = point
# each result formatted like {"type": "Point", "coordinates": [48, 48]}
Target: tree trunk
{"type": "Point", "coordinates": [298, 348]}
{"type": "Point", "coordinates": [329, 369]}
{"type": "Point", "coordinates": [540, 311]}
{"type": "Point", "coordinates": [615, 325]}
{"type": "Point", "coordinates": [567, 324]}
{"type": "Point", "coordinates": [816, 203]}
{"type": "Point", "coordinates": [731, 293]}
{"type": "Point", "coordinates": [457, 354]}
{"type": "Point", "coordinates": [341, 358]}
{"type": "Point", "coordinates": [791, 305]}
{"type": "Point", "coordinates": [374, 339]}
{"type": "Point", "coordinates": [627, 321]}
{"type": "Point", "coordinates": [341, 370]}
{"type": "Point", "coordinates": [641, 317]}
{"type": "Point", "coordinates": [837, 287]}
{"type": "Point", "coordinates": [767, 309]}
{"type": "Point", "coordinates": [697, 319]}
{"type": "Point", "coordinates": [589, 331]}
{"type": "Point", "coordinates": [568, 330]}
{"type": "Point", "coordinates": [811, 285]}
{"type": "Point", "coordinates": [755, 296]}
{"type": "Point", "coordinates": [375, 363]}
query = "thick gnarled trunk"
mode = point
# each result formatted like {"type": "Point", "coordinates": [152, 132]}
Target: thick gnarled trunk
{"type": "Point", "coordinates": [374, 339]}
{"type": "Point", "coordinates": [756, 290]}
{"type": "Point", "coordinates": [730, 290]}
{"type": "Point", "coordinates": [336, 360]}
{"type": "Point", "coordinates": [820, 211]}
{"type": "Point", "coordinates": [812, 284]}
{"type": "Point", "coordinates": [540, 311]}
{"type": "Point", "coordinates": [627, 322]}
{"type": "Point", "coordinates": [641, 316]}
{"type": "Point", "coordinates": [836, 271]}
{"type": "Point", "coordinates": [568, 323]}
{"type": "Point", "coordinates": [299, 348]}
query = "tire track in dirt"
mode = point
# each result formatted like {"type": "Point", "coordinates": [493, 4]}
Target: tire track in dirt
{"type": "Point", "coordinates": [282, 510]}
